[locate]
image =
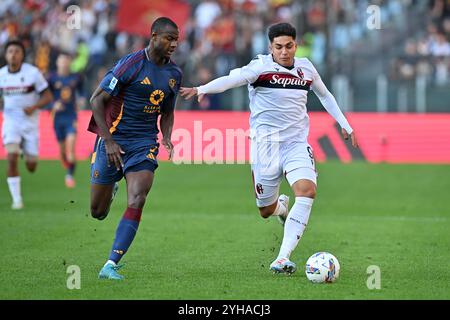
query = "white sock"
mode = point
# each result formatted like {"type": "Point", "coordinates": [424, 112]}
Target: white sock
{"type": "Point", "coordinates": [14, 188]}
{"type": "Point", "coordinates": [294, 226]}
{"type": "Point", "coordinates": [110, 261]}
{"type": "Point", "coordinates": [281, 210]}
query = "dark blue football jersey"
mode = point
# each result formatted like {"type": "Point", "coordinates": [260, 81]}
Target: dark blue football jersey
{"type": "Point", "coordinates": [140, 92]}
{"type": "Point", "coordinates": [65, 89]}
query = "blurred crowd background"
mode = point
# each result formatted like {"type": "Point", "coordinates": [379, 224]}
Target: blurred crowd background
{"type": "Point", "coordinates": [401, 67]}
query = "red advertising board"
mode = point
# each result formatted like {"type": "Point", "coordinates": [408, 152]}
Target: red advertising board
{"type": "Point", "coordinates": [220, 137]}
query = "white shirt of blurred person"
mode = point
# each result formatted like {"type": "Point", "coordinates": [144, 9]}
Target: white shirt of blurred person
{"type": "Point", "coordinates": [441, 47]}
{"type": "Point", "coordinates": [278, 85]}
{"type": "Point", "coordinates": [24, 91]}
{"type": "Point", "coordinates": [205, 13]}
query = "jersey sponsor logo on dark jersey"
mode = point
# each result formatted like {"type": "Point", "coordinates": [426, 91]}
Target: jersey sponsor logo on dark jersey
{"type": "Point", "coordinates": [282, 81]}
{"type": "Point", "coordinates": [9, 91]}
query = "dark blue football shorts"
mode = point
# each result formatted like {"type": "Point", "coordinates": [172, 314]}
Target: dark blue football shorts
{"type": "Point", "coordinates": [64, 127]}
{"type": "Point", "coordinates": [138, 156]}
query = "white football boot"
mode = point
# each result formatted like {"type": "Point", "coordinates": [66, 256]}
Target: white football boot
{"type": "Point", "coordinates": [17, 205]}
{"type": "Point", "coordinates": [283, 265]}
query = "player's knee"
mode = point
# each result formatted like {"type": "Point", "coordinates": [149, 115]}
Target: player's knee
{"type": "Point", "coordinates": [98, 213]}
{"type": "Point", "coordinates": [265, 212]}
{"type": "Point", "coordinates": [309, 192]}
{"type": "Point", "coordinates": [137, 200]}
{"type": "Point", "coordinates": [31, 166]}
{"type": "Point", "coordinates": [305, 188]}
{"type": "Point", "coordinates": [70, 157]}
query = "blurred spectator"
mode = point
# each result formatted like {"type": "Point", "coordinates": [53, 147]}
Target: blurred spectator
{"type": "Point", "coordinates": [97, 47]}
{"type": "Point", "coordinates": [440, 47]}
{"type": "Point", "coordinates": [209, 102]}
{"type": "Point", "coordinates": [225, 34]}
{"type": "Point", "coordinates": [81, 59]}
{"type": "Point", "coordinates": [205, 13]}
{"type": "Point", "coordinates": [45, 56]}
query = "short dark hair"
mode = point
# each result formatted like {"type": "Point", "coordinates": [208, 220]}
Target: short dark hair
{"type": "Point", "coordinates": [281, 29]}
{"type": "Point", "coordinates": [161, 23]}
{"type": "Point", "coordinates": [15, 42]}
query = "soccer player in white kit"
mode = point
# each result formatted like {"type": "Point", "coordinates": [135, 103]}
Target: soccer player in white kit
{"type": "Point", "coordinates": [24, 91]}
{"type": "Point", "coordinates": [278, 86]}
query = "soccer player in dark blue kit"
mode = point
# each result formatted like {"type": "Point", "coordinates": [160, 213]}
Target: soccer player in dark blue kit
{"type": "Point", "coordinates": [126, 106]}
{"type": "Point", "coordinates": [67, 89]}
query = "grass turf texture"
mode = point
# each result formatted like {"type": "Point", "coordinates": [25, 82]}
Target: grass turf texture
{"type": "Point", "coordinates": [201, 236]}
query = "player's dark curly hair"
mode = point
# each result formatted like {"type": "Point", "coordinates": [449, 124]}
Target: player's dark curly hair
{"type": "Point", "coordinates": [15, 42]}
{"type": "Point", "coordinates": [281, 29]}
{"type": "Point", "coordinates": [161, 23]}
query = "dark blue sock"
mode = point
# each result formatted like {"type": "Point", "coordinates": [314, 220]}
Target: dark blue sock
{"type": "Point", "coordinates": [125, 233]}
{"type": "Point", "coordinates": [71, 168]}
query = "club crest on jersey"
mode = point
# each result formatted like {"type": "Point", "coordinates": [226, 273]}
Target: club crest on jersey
{"type": "Point", "coordinates": [172, 83]}
{"type": "Point", "coordinates": [300, 73]}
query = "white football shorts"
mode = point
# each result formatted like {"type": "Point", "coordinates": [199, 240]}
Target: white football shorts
{"type": "Point", "coordinates": [25, 135]}
{"type": "Point", "coordinates": [271, 160]}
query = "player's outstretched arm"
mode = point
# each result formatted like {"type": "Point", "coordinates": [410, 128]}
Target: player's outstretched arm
{"type": "Point", "coordinates": [188, 93]}
{"type": "Point", "coordinates": [329, 103]}
{"type": "Point", "coordinates": [113, 151]}
{"type": "Point", "coordinates": [233, 80]}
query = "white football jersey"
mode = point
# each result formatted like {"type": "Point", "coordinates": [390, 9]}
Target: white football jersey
{"type": "Point", "coordinates": [278, 98]}
{"type": "Point", "coordinates": [20, 90]}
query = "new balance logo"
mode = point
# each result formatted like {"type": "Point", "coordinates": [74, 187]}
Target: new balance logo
{"type": "Point", "coordinates": [146, 81]}
{"type": "Point", "coordinates": [295, 220]}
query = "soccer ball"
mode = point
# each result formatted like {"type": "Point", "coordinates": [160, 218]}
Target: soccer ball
{"type": "Point", "coordinates": [322, 267]}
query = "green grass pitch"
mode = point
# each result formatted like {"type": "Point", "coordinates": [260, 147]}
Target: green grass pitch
{"type": "Point", "coordinates": [201, 236]}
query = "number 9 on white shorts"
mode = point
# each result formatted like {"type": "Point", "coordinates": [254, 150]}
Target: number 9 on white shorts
{"type": "Point", "coordinates": [270, 161]}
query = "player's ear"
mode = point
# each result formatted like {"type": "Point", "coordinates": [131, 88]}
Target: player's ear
{"type": "Point", "coordinates": [270, 48]}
